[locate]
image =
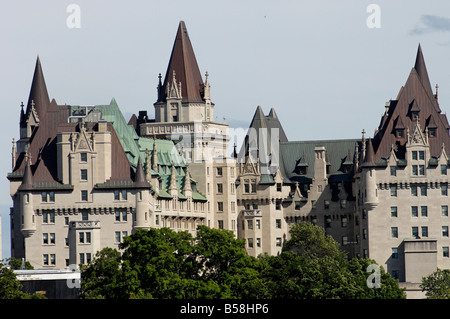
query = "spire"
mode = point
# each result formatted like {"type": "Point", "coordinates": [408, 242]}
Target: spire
{"type": "Point", "coordinates": [187, 181]}
{"type": "Point", "coordinates": [38, 92]}
{"type": "Point", "coordinates": [155, 156]}
{"type": "Point", "coordinates": [27, 180]}
{"type": "Point", "coordinates": [139, 178]}
{"type": "Point", "coordinates": [421, 70]}
{"type": "Point", "coordinates": [184, 64]}
{"type": "Point", "coordinates": [369, 160]}
{"type": "Point", "coordinates": [173, 179]}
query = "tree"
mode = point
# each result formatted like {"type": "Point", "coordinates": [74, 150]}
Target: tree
{"type": "Point", "coordinates": [437, 284]}
{"type": "Point", "coordinates": [11, 288]}
{"type": "Point", "coordinates": [311, 266]}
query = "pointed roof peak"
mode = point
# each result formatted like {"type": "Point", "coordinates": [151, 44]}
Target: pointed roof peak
{"type": "Point", "coordinates": [369, 160]}
{"type": "Point", "coordinates": [421, 70]}
{"type": "Point", "coordinates": [27, 180]}
{"type": "Point", "coordinates": [38, 91]}
{"type": "Point", "coordinates": [139, 179]}
{"type": "Point", "coordinates": [184, 64]}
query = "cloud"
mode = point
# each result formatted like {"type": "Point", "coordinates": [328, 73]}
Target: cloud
{"type": "Point", "coordinates": [431, 23]}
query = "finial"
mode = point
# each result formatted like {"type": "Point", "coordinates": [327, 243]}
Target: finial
{"type": "Point", "coordinates": [21, 105]}
{"type": "Point", "coordinates": [437, 93]}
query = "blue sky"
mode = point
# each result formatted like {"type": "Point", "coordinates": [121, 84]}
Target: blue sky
{"type": "Point", "coordinates": [326, 73]}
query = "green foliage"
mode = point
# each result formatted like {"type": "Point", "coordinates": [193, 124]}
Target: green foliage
{"type": "Point", "coordinates": [11, 288]}
{"type": "Point", "coordinates": [437, 284]}
{"type": "Point", "coordinates": [164, 264]}
{"type": "Point", "coordinates": [15, 263]}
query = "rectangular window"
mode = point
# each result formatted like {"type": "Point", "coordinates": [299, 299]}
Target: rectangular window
{"type": "Point", "coordinates": [44, 197]}
{"type": "Point", "coordinates": [393, 170]}
{"type": "Point", "coordinates": [394, 253]}
{"type": "Point", "coordinates": [117, 213]}
{"type": "Point", "coordinates": [117, 236]}
{"type": "Point", "coordinates": [445, 252]}
{"type": "Point", "coordinates": [220, 224]}
{"type": "Point", "coordinates": [81, 238]}
{"type": "Point", "coordinates": [84, 196]}
{"type": "Point", "coordinates": [220, 188]}
{"type": "Point", "coordinates": [124, 194]}
{"type": "Point", "coordinates": [88, 237]}
{"type": "Point", "coordinates": [421, 155]}
{"type": "Point", "coordinates": [220, 206]}
{"type": "Point", "coordinates": [444, 189]}
{"type": "Point", "coordinates": [424, 211]}
{"type": "Point", "coordinates": [444, 231]}
{"type": "Point", "coordinates": [278, 205]}
{"type": "Point", "coordinates": [258, 242]}
{"type": "Point", "coordinates": [414, 211]}
{"type": "Point", "coordinates": [278, 223]}
{"type": "Point", "coordinates": [344, 221]}
{"type": "Point", "coordinates": [393, 211]}
{"type": "Point", "coordinates": [278, 241]}
{"type": "Point", "coordinates": [424, 231]}
{"type": "Point", "coordinates": [414, 155]}
{"type": "Point", "coordinates": [253, 186]}
{"type": "Point", "coordinates": [219, 171]}
{"type": "Point", "coordinates": [250, 242]}
{"type": "Point", "coordinates": [45, 259]}
{"type": "Point", "coordinates": [81, 258]}
{"type": "Point", "coordinates": [394, 190]}
{"type": "Point", "coordinates": [444, 169]}
{"type": "Point", "coordinates": [116, 194]}
{"type": "Point", "coordinates": [421, 169]}
{"type": "Point", "coordinates": [52, 238]}
{"type": "Point", "coordinates": [414, 190]}
{"type": "Point", "coordinates": [247, 188]}
{"type": "Point", "coordinates": [423, 190]}
{"type": "Point", "coordinates": [84, 174]}
{"type": "Point", "coordinates": [297, 205]}
{"type": "Point", "coordinates": [444, 209]}
{"type": "Point", "coordinates": [415, 171]}
{"type": "Point", "coordinates": [394, 232]}
{"type": "Point", "coordinates": [45, 238]}
{"type": "Point", "coordinates": [84, 214]}
{"type": "Point", "coordinates": [83, 157]}
{"type": "Point", "coordinates": [51, 196]}
{"type": "Point", "coordinates": [258, 224]}
{"type": "Point", "coordinates": [415, 231]}
{"type": "Point", "coordinates": [249, 224]}
{"type": "Point", "coordinates": [278, 187]}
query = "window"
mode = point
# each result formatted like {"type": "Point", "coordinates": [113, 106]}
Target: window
{"type": "Point", "coordinates": [220, 188]}
{"type": "Point", "coordinates": [344, 240]}
{"type": "Point", "coordinates": [424, 231]}
{"type": "Point", "coordinates": [84, 214]}
{"type": "Point", "coordinates": [414, 211]}
{"type": "Point", "coordinates": [394, 253]}
{"type": "Point", "coordinates": [66, 221]}
{"type": "Point", "coordinates": [444, 189]}
{"type": "Point", "coordinates": [219, 171]}
{"type": "Point", "coordinates": [432, 132]}
{"type": "Point", "coordinates": [83, 157]}
{"type": "Point", "coordinates": [220, 206]}
{"type": "Point", "coordinates": [423, 190]}
{"type": "Point", "coordinates": [444, 169]}
{"type": "Point", "coordinates": [52, 238]}
{"type": "Point", "coordinates": [258, 242]}
{"type": "Point", "coordinates": [444, 231]}
{"type": "Point", "coordinates": [246, 187]}
{"type": "Point", "coordinates": [393, 170]}
{"type": "Point", "coordinates": [84, 175]}
{"type": "Point", "coordinates": [413, 190]}
{"type": "Point", "coordinates": [421, 169]}
{"type": "Point", "coordinates": [47, 197]}
{"type": "Point", "coordinates": [84, 196]}
{"type": "Point", "coordinates": [81, 238]}
{"type": "Point", "coordinates": [394, 211]}
{"type": "Point", "coordinates": [81, 258]}
{"type": "Point", "coordinates": [121, 215]}
{"type": "Point", "coordinates": [278, 223]}
{"type": "Point", "coordinates": [394, 232]}
{"type": "Point", "coordinates": [395, 274]}
{"type": "Point", "coordinates": [48, 217]}
{"type": "Point", "coordinates": [116, 195]}
{"type": "Point", "coordinates": [444, 209]}
{"type": "Point", "coordinates": [249, 224]}
{"type": "Point", "coordinates": [45, 239]}
{"type": "Point", "coordinates": [117, 236]}
{"type": "Point", "coordinates": [278, 187]}
{"type": "Point", "coordinates": [220, 224]}
{"type": "Point", "coordinates": [45, 259]}
{"type": "Point", "coordinates": [88, 237]}
{"type": "Point", "coordinates": [421, 155]}
{"type": "Point", "coordinates": [415, 231]}
{"type": "Point", "coordinates": [344, 221]}
{"type": "Point", "coordinates": [278, 205]}
{"type": "Point", "coordinates": [258, 224]}
{"type": "Point", "coordinates": [297, 205]}
{"type": "Point", "coordinates": [253, 186]}
{"type": "Point", "coordinates": [414, 155]}
{"type": "Point", "coordinates": [278, 241]}
{"type": "Point", "coordinates": [327, 221]}
{"type": "Point", "coordinates": [424, 211]}
{"type": "Point", "coordinates": [414, 170]}
{"type": "Point", "coordinates": [326, 204]}
{"type": "Point", "coordinates": [445, 252]}
{"type": "Point", "coordinates": [399, 132]}
{"type": "Point", "coordinates": [394, 190]}
{"type": "Point", "coordinates": [250, 242]}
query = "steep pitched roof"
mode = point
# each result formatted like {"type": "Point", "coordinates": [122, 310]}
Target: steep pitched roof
{"type": "Point", "coordinates": [184, 64]}
{"type": "Point", "coordinates": [38, 92]}
{"type": "Point", "coordinates": [415, 96]}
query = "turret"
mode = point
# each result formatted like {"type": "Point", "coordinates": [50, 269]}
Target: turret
{"type": "Point", "coordinates": [370, 198]}
{"type": "Point", "coordinates": [142, 198]}
{"type": "Point", "coordinates": [28, 222]}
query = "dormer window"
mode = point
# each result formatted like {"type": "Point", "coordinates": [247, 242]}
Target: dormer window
{"type": "Point", "coordinates": [415, 115]}
{"type": "Point", "coordinates": [432, 132]}
{"type": "Point", "coordinates": [400, 132]}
